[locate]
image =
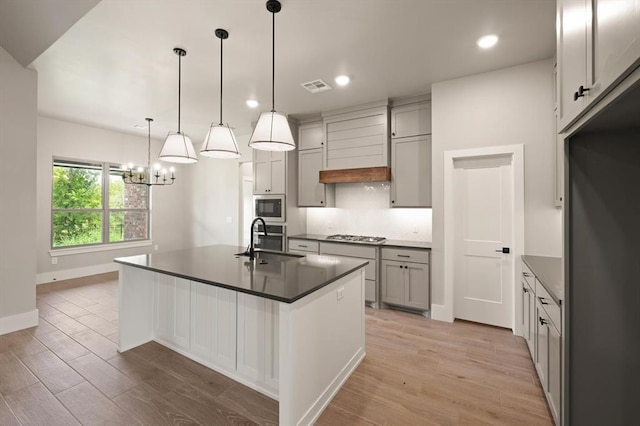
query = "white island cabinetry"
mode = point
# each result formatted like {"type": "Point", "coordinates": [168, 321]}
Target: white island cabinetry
{"type": "Point", "coordinates": [297, 347]}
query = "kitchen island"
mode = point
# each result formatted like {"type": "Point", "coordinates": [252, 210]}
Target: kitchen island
{"type": "Point", "coordinates": [288, 326]}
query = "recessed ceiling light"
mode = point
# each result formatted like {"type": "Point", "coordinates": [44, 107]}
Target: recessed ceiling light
{"type": "Point", "coordinates": [487, 41]}
{"type": "Point", "coordinates": [252, 103]}
{"type": "Point", "coordinates": [342, 80]}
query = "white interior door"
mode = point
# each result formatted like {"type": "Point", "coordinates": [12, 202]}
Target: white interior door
{"type": "Point", "coordinates": [484, 217]}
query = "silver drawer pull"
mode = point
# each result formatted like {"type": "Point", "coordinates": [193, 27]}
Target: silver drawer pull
{"type": "Point", "coordinates": [542, 302]}
{"type": "Point", "coordinates": [403, 255]}
{"type": "Point", "coordinates": [300, 245]}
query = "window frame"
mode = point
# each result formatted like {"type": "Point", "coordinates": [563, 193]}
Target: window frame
{"type": "Point", "coordinates": [106, 168]}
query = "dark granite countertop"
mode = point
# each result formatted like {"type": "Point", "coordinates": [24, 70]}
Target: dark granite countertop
{"type": "Point", "coordinates": [282, 278]}
{"type": "Point", "coordinates": [548, 270]}
{"type": "Point", "coordinates": [387, 243]}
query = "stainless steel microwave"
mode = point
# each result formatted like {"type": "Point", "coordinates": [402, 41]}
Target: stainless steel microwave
{"type": "Point", "coordinates": [270, 207]}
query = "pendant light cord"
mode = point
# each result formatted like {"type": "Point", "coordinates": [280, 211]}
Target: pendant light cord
{"type": "Point", "coordinates": [149, 148]}
{"type": "Point", "coordinates": [221, 81]}
{"type": "Point", "coordinates": [273, 62]}
{"type": "Point", "coordinates": [179, 87]}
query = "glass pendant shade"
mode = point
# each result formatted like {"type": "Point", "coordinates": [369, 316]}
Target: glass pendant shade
{"type": "Point", "coordinates": [272, 133]}
{"type": "Point", "coordinates": [178, 148]}
{"type": "Point", "coordinates": [220, 143]}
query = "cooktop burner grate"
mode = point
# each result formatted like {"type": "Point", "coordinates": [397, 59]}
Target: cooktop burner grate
{"type": "Point", "coordinates": [356, 238]}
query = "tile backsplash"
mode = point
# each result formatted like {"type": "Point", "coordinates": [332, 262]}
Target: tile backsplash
{"type": "Point", "coordinates": [364, 209]}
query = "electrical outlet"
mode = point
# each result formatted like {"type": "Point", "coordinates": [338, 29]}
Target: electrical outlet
{"type": "Point", "coordinates": [54, 260]}
{"type": "Point", "coordinates": [415, 229]}
{"type": "Point", "coordinates": [155, 247]}
{"type": "Point", "coordinates": [229, 219]}
{"type": "Point", "coordinates": [340, 293]}
{"type": "Point", "coordinates": [330, 225]}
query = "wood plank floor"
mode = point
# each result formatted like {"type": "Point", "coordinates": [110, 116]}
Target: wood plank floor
{"type": "Point", "coordinates": [416, 372]}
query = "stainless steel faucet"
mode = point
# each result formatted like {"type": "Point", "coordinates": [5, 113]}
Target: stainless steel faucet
{"type": "Point", "coordinates": [251, 251]}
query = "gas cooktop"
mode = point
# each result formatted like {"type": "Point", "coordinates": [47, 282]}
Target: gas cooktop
{"type": "Point", "coordinates": [357, 238]}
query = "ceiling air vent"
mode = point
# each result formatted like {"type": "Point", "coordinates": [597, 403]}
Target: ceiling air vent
{"type": "Point", "coordinates": [316, 86]}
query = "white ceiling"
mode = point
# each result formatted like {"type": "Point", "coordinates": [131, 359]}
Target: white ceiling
{"type": "Point", "coordinates": [115, 66]}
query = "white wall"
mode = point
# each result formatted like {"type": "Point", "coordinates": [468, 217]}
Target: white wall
{"type": "Point", "coordinates": [18, 115]}
{"type": "Point", "coordinates": [170, 215]}
{"type": "Point", "coordinates": [364, 209]}
{"type": "Point", "coordinates": [504, 107]}
{"type": "Point", "coordinates": [214, 198]}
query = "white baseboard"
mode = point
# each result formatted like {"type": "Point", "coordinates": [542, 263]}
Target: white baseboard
{"type": "Point", "coordinates": [17, 322]}
{"type": "Point", "coordinates": [440, 313]}
{"type": "Point", "coordinates": [67, 274]}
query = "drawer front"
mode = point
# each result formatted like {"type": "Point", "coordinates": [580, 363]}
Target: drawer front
{"type": "Point", "coordinates": [352, 250]}
{"type": "Point", "coordinates": [528, 276]}
{"type": "Point", "coordinates": [549, 305]}
{"type": "Point", "coordinates": [405, 255]}
{"type": "Point", "coordinates": [370, 290]}
{"type": "Point", "coordinates": [303, 245]}
{"type": "Point", "coordinates": [369, 270]}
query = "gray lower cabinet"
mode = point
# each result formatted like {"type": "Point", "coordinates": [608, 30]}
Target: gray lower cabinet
{"type": "Point", "coordinates": [542, 332]}
{"type": "Point", "coordinates": [405, 283]}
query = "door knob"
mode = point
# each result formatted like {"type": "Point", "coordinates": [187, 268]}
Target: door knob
{"type": "Point", "coordinates": [503, 250]}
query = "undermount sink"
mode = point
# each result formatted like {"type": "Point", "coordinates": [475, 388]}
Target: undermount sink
{"type": "Point", "coordinates": [272, 255]}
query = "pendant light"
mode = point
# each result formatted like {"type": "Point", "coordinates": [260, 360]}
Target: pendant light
{"type": "Point", "coordinates": [220, 141]}
{"type": "Point", "coordinates": [177, 146]}
{"type": "Point", "coordinates": [272, 132]}
{"type": "Point", "coordinates": [151, 177]}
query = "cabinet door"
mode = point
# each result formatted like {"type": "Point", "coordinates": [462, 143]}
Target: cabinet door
{"type": "Point", "coordinates": [555, 372]}
{"type": "Point", "coordinates": [542, 346]}
{"type": "Point", "coordinates": [261, 171]}
{"type": "Point", "coordinates": [616, 41]}
{"type": "Point", "coordinates": [311, 193]}
{"type": "Point", "coordinates": [411, 120]}
{"type": "Point", "coordinates": [532, 325]}
{"type": "Point", "coordinates": [572, 57]}
{"type": "Point", "coordinates": [310, 136]}
{"type": "Point", "coordinates": [411, 172]}
{"type": "Point", "coordinates": [258, 336]}
{"type": "Point", "coordinates": [213, 324]}
{"type": "Point", "coordinates": [172, 313]}
{"type": "Point", "coordinates": [392, 284]}
{"type": "Point", "coordinates": [278, 173]}
{"type": "Point", "coordinates": [416, 285]}
{"type": "Point", "coordinates": [526, 315]}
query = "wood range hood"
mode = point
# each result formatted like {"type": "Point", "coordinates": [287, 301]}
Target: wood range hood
{"type": "Point", "coordinates": [365, 174]}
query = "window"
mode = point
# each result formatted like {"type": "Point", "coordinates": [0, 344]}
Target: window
{"type": "Point", "coordinates": [92, 205]}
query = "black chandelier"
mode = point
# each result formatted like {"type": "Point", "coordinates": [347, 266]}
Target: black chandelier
{"type": "Point", "coordinates": [147, 176]}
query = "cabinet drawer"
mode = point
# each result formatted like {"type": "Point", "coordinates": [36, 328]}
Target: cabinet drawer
{"type": "Point", "coordinates": [352, 250]}
{"type": "Point", "coordinates": [528, 276]}
{"type": "Point", "coordinates": [369, 290]}
{"type": "Point", "coordinates": [369, 270]}
{"type": "Point", "coordinates": [303, 245]}
{"type": "Point", "coordinates": [549, 305]}
{"type": "Point", "coordinates": [405, 255]}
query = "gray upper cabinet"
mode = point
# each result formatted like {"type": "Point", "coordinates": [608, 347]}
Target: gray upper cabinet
{"type": "Point", "coordinates": [598, 45]}
{"type": "Point", "coordinates": [312, 193]}
{"type": "Point", "coordinates": [269, 172]}
{"type": "Point", "coordinates": [411, 120]}
{"type": "Point", "coordinates": [411, 172]}
{"type": "Point", "coordinates": [310, 136]}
